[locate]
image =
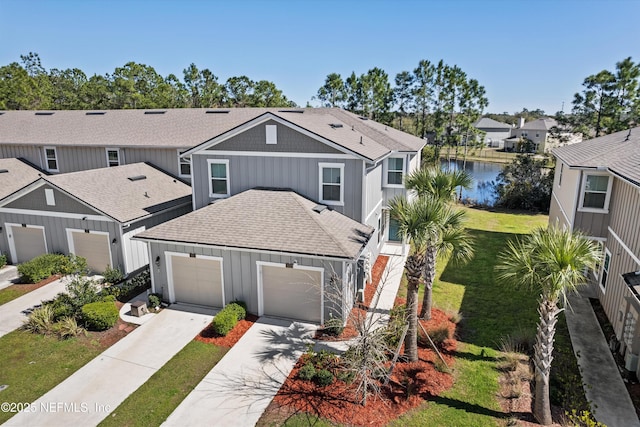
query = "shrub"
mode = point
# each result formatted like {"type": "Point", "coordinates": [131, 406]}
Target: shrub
{"type": "Point", "coordinates": [74, 265]}
{"type": "Point", "coordinates": [112, 275]}
{"type": "Point", "coordinates": [323, 378]}
{"type": "Point", "coordinates": [130, 288]}
{"type": "Point", "coordinates": [3, 260]}
{"type": "Point", "coordinates": [68, 327]}
{"type": "Point", "coordinates": [100, 315]}
{"type": "Point", "coordinates": [240, 310]}
{"type": "Point", "coordinates": [307, 372]}
{"type": "Point", "coordinates": [333, 326]}
{"type": "Point", "coordinates": [83, 291]}
{"type": "Point", "coordinates": [40, 321]}
{"type": "Point", "coordinates": [224, 321]}
{"type": "Point", "coordinates": [62, 306]}
{"type": "Point", "coordinates": [155, 300]}
{"type": "Point", "coordinates": [439, 335]}
{"type": "Point", "coordinates": [46, 265]}
{"type": "Point", "coordinates": [108, 298]}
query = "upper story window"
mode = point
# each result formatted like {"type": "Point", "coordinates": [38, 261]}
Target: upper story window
{"type": "Point", "coordinates": [605, 269]}
{"type": "Point", "coordinates": [596, 190]}
{"type": "Point", "coordinates": [184, 166]}
{"type": "Point", "coordinates": [331, 183]}
{"type": "Point", "coordinates": [113, 157]}
{"type": "Point", "coordinates": [395, 171]}
{"type": "Point", "coordinates": [218, 178]}
{"type": "Point", "coordinates": [560, 174]}
{"type": "Point", "coordinates": [51, 159]}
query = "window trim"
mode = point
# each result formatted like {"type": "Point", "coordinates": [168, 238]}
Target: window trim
{"type": "Point", "coordinates": [600, 263]}
{"type": "Point", "coordinates": [117, 150]}
{"type": "Point", "coordinates": [605, 209]}
{"type": "Point", "coordinates": [49, 197]}
{"type": "Point", "coordinates": [271, 134]}
{"type": "Point", "coordinates": [55, 158]}
{"type": "Point", "coordinates": [183, 161]}
{"type": "Point", "coordinates": [321, 167]}
{"type": "Point", "coordinates": [560, 175]}
{"type": "Point", "coordinates": [210, 178]}
{"type": "Point", "coordinates": [387, 170]}
{"type": "Point", "coordinates": [607, 253]}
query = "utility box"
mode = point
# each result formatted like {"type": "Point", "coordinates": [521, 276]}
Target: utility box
{"type": "Point", "coordinates": [631, 361]}
{"type": "Point", "coordinates": [139, 308]}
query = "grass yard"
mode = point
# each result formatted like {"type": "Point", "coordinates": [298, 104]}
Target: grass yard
{"type": "Point", "coordinates": [33, 364]}
{"type": "Point", "coordinates": [11, 293]}
{"type": "Point", "coordinates": [156, 399]}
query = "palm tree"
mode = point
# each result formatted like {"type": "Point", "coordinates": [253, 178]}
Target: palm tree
{"type": "Point", "coordinates": [553, 262]}
{"type": "Point", "coordinates": [441, 185]}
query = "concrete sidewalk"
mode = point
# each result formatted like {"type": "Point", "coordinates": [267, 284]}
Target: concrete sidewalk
{"type": "Point", "coordinates": [8, 276]}
{"type": "Point", "coordinates": [603, 384]}
{"type": "Point", "coordinates": [14, 313]}
{"type": "Point", "coordinates": [239, 388]}
{"type": "Point", "coordinates": [96, 389]}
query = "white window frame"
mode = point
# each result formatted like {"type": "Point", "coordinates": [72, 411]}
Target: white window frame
{"type": "Point", "coordinates": [321, 167]}
{"type": "Point", "coordinates": [218, 162]}
{"type": "Point", "coordinates": [55, 158]}
{"type": "Point", "coordinates": [387, 170]}
{"type": "Point", "coordinates": [49, 197]}
{"type": "Point", "coordinates": [271, 134]}
{"type": "Point", "coordinates": [183, 161]}
{"type": "Point", "coordinates": [607, 253]}
{"type": "Point", "coordinates": [605, 208]}
{"type": "Point", "coordinates": [117, 150]}
{"type": "Point", "coordinates": [600, 262]}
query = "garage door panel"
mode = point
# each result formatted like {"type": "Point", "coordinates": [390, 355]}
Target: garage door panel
{"type": "Point", "coordinates": [292, 293]}
{"type": "Point", "coordinates": [94, 247]}
{"type": "Point", "coordinates": [29, 243]}
{"type": "Point", "coordinates": [197, 281]}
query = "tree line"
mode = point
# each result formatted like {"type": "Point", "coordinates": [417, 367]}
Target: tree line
{"type": "Point", "coordinates": [29, 86]}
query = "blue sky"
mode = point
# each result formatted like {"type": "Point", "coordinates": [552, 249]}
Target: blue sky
{"type": "Point", "coordinates": [532, 54]}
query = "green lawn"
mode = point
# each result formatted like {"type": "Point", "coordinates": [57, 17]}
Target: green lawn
{"type": "Point", "coordinates": [156, 399]}
{"type": "Point", "coordinates": [11, 293]}
{"type": "Point", "coordinates": [33, 364]}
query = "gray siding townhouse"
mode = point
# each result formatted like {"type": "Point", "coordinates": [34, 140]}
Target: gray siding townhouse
{"type": "Point", "coordinates": [91, 213]}
{"type": "Point", "coordinates": [597, 191]}
{"type": "Point", "coordinates": [283, 202]}
{"type": "Point", "coordinates": [495, 132]}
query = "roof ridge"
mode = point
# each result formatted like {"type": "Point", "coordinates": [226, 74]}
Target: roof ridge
{"type": "Point", "coordinates": [327, 231]}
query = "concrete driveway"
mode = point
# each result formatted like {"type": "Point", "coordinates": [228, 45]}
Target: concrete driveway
{"type": "Point", "coordinates": [94, 391]}
{"type": "Point", "coordinates": [240, 387]}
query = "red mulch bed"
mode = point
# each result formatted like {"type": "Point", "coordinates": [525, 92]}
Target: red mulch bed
{"type": "Point", "coordinates": [28, 287]}
{"type": "Point", "coordinates": [106, 339]}
{"type": "Point", "coordinates": [207, 335]}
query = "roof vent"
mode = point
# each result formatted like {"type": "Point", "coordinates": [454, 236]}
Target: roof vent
{"type": "Point", "coordinates": [335, 125]}
{"type": "Point", "coordinates": [217, 112]}
{"type": "Point", "coordinates": [137, 178]}
{"type": "Point", "coordinates": [291, 111]}
{"type": "Point", "coordinates": [319, 208]}
{"type": "Point", "coordinates": [364, 118]}
{"type": "Point", "coordinates": [155, 112]}
{"type": "Point", "coordinates": [44, 113]}
{"type": "Point", "coordinates": [4, 170]}
{"type": "Point", "coordinates": [1, 113]}
{"type": "Point", "coordinates": [95, 113]}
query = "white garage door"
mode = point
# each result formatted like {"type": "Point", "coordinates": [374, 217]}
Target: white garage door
{"type": "Point", "coordinates": [94, 247]}
{"type": "Point", "coordinates": [294, 293]}
{"type": "Point", "coordinates": [197, 280]}
{"type": "Point", "coordinates": [26, 242]}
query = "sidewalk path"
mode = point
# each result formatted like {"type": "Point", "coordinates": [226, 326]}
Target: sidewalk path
{"type": "Point", "coordinates": [603, 384]}
{"type": "Point", "coordinates": [97, 388]}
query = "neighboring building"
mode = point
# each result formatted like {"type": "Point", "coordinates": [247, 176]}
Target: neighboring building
{"type": "Point", "coordinates": [495, 132]}
{"type": "Point", "coordinates": [538, 132]}
{"type": "Point", "coordinates": [92, 214]}
{"type": "Point", "coordinates": [597, 191]}
{"type": "Point", "coordinates": [15, 174]}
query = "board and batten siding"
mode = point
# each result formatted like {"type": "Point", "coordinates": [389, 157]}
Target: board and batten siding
{"type": "Point", "coordinates": [625, 214]}
{"type": "Point", "coordinates": [240, 271]}
{"type": "Point", "coordinates": [566, 196]}
{"type": "Point", "coordinates": [299, 174]}
{"type": "Point", "coordinates": [164, 158]}
{"type": "Point", "coordinates": [32, 154]}
{"type": "Point", "coordinates": [592, 224]}
{"type": "Point", "coordinates": [36, 200]}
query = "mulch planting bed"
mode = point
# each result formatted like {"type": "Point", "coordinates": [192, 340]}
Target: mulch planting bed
{"type": "Point", "coordinates": [28, 287]}
{"type": "Point", "coordinates": [106, 339]}
{"type": "Point", "coordinates": [207, 335]}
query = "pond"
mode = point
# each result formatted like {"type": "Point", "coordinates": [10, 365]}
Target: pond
{"type": "Point", "coordinates": [484, 179]}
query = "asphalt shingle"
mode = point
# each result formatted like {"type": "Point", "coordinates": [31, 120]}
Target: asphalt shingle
{"type": "Point", "coordinates": [18, 174]}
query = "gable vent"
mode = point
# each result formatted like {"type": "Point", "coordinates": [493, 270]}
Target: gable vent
{"type": "Point", "coordinates": [137, 178]}
{"type": "Point", "coordinates": [44, 113]}
{"type": "Point", "coordinates": [319, 208]}
{"type": "Point", "coordinates": [4, 170]}
{"type": "Point", "coordinates": [95, 113]}
{"type": "Point", "coordinates": [335, 125]}
{"type": "Point", "coordinates": [291, 111]}
{"type": "Point", "coordinates": [155, 112]}
{"type": "Point", "coordinates": [217, 112]}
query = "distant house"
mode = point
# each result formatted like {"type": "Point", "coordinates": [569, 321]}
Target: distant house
{"type": "Point", "coordinates": [495, 132]}
{"type": "Point", "coordinates": [91, 213]}
{"type": "Point", "coordinates": [538, 133]}
{"type": "Point", "coordinates": [597, 191]}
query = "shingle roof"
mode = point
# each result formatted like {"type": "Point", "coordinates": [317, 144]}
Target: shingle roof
{"type": "Point", "coordinates": [18, 174]}
{"type": "Point", "coordinates": [110, 191]}
{"type": "Point", "coordinates": [540, 124]}
{"type": "Point", "coordinates": [189, 127]}
{"type": "Point", "coordinates": [274, 220]}
{"type": "Point", "coordinates": [616, 152]}
{"type": "Point", "coordinates": [487, 123]}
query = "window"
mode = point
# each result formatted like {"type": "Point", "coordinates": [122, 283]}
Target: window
{"type": "Point", "coordinates": [537, 135]}
{"type": "Point", "coordinates": [605, 269]}
{"type": "Point", "coordinates": [272, 134]}
{"type": "Point", "coordinates": [331, 185]}
{"type": "Point", "coordinates": [51, 159]}
{"type": "Point", "coordinates": [218, 178]}
{"type": "Point", "coordinates": [113, 157]}
{"type": "Point", "coordinates": [395, 169]}
{"type": "Point", "coordinates": [560, 175]}
{"type": "Point", "coordinates": [595, 192]}
{"type": "Point", "coordinates": [184, 165]}
{"type": "Point", "coordinates": [49, 197]}
{"type": "Point", "coordinates": [596, 268]}
{"type": "Point", "coordinates": [524, 134]}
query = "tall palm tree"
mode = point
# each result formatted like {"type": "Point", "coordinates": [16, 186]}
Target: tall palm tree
{"type": "Point", "coordinates": [441, 185]}
{"type": "Point", "coordinates": [553, 262]}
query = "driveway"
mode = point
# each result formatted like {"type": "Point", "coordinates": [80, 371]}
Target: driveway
{"type": "Point", "coordinates": [240, 387]}
{"type": "Point", "coordinates": [95, 390]}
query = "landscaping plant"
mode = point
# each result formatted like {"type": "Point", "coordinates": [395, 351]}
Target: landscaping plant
{"type": "Point", "coordinates": [3, 260]}
{"type": "Point", "coordinates": [112, 275]}
{"type": "Point", "coordinates": [43, 266]}
{"type": "Point", "coordinates": [99, 316]}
